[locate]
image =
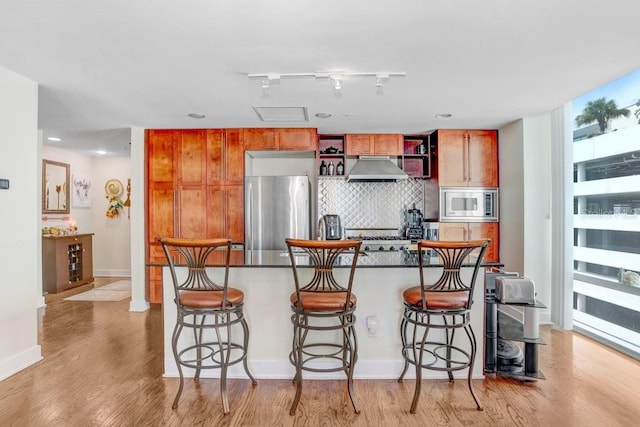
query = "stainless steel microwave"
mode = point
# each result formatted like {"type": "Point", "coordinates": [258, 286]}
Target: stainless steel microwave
{"type": "Point", "coordinates": [468, 204]}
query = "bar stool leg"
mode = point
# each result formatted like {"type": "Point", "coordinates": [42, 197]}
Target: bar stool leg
{"type": "Point", "coordinates": [449, 334]}
{"type": "Point", "coordinates": [353, 351]}
{"type": "Point", "coordinates": [403, 337]}
{"type": "Point", "coordinates": [245, 328]}
{"type": "Point", "coordinates": [472, 341]}
{"type": "Point", "coordinates": [419, 362]}
{"type": "Point", "coordinates": [197, 336]}
{"type": "Point", "coordinates": [298, 343]}
{"type": "Point", "coordinates": [174, 346]}
{"type": "Point", "coordinates": [225, 352]}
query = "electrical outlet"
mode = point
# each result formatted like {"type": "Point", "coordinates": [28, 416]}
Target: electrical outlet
{"type": "Point", "coordinates": [372, 326]}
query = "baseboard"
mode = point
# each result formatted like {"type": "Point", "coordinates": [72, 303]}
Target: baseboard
{"type": "Point", "coordinates": [365, 370]}
{"type": "Point", "coordinates": [18, 362]}
{"type": "Point", "coordinates": [139, 306]}
{"type": "Point", "coordinates": [112, 273]}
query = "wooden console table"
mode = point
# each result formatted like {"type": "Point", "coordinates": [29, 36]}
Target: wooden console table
{"type": "Point", "coordinates": [67, 262]}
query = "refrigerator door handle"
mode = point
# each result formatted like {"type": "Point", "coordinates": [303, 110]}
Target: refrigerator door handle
{"type": "Point", "coordinates": [249, 214]}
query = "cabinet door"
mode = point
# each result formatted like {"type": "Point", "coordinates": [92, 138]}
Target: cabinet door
{"type": "Point", "coordinates": [216, 226]}
{"type": "Point", "coordinates": [160, 145]}
{"type": "Point", "coordinates": [455, 231]}
{"type": "Point", "coordinates": [482, 158]}
{"type": "Point", "coordinates": [192, 212]}
{"type": "Point", "coordinates": [389, 145]}
{"type": "Point", "coordinates": [483, 230]}
{"type": "Point", "coordinates": [191, 157]}
{"type": "Point", "coordinates": [235, 212]}
{"type": "Point", "coordinates": [234, 151]}
{"type": "Point", "coordinates": [215, 157]}
{"type": "Point", "coordinates": [161, 213]}
{"type": "Point", "coordinates": [358, 145]}
{"type": "Point", "coordinates": [297, 139]}
{"type": "Point", "coordinates": [225, 212]}
{"type": "Point", "coordinates": [259, 139]}
{"type": "Point", "coordinates": [452, 158]}
{"type": "Point", "coordinates": [87, 258]}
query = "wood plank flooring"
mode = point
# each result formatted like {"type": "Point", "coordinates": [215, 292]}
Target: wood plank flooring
{"type": "Point", "coordinates": [103, 367]}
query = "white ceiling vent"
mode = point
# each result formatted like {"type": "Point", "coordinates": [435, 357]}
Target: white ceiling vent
{"type": "Point", "coordinates": [282, 114]}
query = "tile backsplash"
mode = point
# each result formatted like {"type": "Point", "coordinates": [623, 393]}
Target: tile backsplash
{"type": "Point", "coordinates": [370, 204]}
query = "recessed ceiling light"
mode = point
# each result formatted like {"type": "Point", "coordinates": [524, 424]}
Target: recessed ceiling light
{"type": "Point", "coordinates": [323, 115]}
{"type": "Point", "coordinates": [101, 152]}
{"type": "Point", "coordinates": [443, 115]}
{"type": "Point", "coordinates": [53, 138]}
{"type": "Point", "coordinates": [196, 115]}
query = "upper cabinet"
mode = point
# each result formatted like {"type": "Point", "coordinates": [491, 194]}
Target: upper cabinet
{"type": "Point", "coordinates": [301, 139]}
{"type": "Point", "coordinates": [373, 144]}
{"type": "Point", "coordinates": [467, 158]}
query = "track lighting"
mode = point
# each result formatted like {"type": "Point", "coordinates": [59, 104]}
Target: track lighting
{"type": "Point", "coordinates": [335, 78]}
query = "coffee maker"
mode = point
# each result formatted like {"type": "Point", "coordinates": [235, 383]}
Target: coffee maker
{"type": "Point", "coordinates": [415, 230]}
{"type": "Point", "coordinates": [329, 227]}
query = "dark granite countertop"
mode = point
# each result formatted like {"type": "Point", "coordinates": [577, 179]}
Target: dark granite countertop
{"type": "Point", "coordinates": [280, 258]}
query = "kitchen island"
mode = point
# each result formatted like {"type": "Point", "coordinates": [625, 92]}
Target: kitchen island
{"type": "Point", "coordinates": [265, 278]}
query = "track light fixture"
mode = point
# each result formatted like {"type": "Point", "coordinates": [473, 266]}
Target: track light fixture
{"type": "Point", "coordinates": [336, 78]}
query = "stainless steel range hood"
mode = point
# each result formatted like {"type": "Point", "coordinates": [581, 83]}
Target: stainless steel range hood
{"type": "Point", "coordinates": [375, 168]}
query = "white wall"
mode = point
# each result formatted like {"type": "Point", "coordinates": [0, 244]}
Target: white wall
{"type": "Point", "coordinates": [21, 284]}
{"type": "Point", "coordinates": [525, 197]}
{"type": "Point", "coordinates": [111, 240]}
{"type": "Point", "coordinates": [537, 204]}
{"type": "Point", "coordinates": [79, 165]}
{"type": "Point", "coordinates": [510, 146]}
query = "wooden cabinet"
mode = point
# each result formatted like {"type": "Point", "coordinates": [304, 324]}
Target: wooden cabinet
{"type": "Point", "coordinates": [300, 139]}
{"type": "Point", "coordinates": [472, 231]}
{"type": "Point", "coordinates": [467, 158]}
{"type": "Point", "coordinates": [259, 139]}
{"type": "Point", "coordinates": [225, 211]}
{"type": "Point", "coordinates": [373, 144]}
{"type": "Point", "coordinates": [194, 189]}
{"type": "Point", "coordinates": [67, 262]}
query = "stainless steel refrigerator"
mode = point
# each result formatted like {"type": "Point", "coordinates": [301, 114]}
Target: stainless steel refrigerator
{"type": "Point", "coordinates": [276, 207]}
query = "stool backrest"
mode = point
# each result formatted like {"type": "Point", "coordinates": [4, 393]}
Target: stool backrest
{"type": "Point", "coordinates": [194, 253]}
{"type": "Point", "coordinates": [452, 254]}
{"type": "Point", "coordinates": [323, 256]}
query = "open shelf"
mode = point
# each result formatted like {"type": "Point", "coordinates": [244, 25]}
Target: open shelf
{"type": "Point", "coordinates": [331, 149]}
{"type": "Point", "coordinates": [499, 326]}
{"type": "Point", "coordinates": [417, 156]}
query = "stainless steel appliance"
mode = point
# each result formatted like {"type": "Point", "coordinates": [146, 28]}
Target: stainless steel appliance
{"type": "Point", "coordinates": [431, 230]}
{"type": "Point", "coordinates": [379, 239]}
{"type": "Point", "coordinates": [375, 168]}
{"type": "Point", "coordinates": [468, 204]}
{"type": "Point", "coordinates": [330, 227]}
{"type": "Point", "coordinates": [414, 230]}
{"type": "Point", "coordinates": [276, 207]}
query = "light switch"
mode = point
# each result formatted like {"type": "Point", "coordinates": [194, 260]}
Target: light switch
{"type": "Point", "coordinates": [4, 184]}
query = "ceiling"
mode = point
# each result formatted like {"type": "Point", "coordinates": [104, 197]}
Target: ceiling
{"type": "Point", "coordinates": [104, 67]}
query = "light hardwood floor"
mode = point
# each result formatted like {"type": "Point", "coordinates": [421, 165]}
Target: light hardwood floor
{"type": "Point", "coordinates": [103, 366]}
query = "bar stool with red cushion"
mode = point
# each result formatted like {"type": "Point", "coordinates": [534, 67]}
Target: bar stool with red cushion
{"type": "Point", "coordinates": [322, 306]}
{"type": "Point", "coordinates": [444, 305]}
{"type": "Point", "coordinates": [208, 308]}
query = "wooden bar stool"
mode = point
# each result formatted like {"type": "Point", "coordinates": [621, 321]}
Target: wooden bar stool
{"type": "Point", "coordinates": [444, 305]}
{"type": "Point", "coordinates": [207, 308]}
{"type": "Point", "coordinates": [321, 305]}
